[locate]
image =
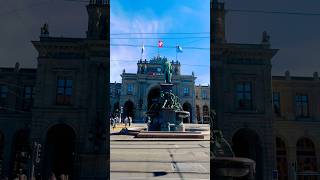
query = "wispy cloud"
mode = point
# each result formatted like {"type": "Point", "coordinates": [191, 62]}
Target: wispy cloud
{"type": "Point", "coordinates": [123, 57]}
{"type": "Point", "coordinates": [154, 19]}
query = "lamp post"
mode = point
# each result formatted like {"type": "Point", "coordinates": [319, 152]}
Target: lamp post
{"type": "Point", "coordinates": [121, 111]}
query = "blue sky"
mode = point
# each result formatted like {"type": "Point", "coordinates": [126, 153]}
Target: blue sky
{"type": "Point", "coordinates": [161, 16]}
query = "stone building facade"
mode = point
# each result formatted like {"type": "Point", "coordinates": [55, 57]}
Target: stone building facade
{"type": "Point", "coordinates": [138, 90]}
{"type": "Point", "coordinates": [273, 120]}
{"type": "Point", "coordinates": [296, 105]}
{"type": "Point", "coordinates": [60, 105]}
{"type": "Point", "coordinates": [202, 103]}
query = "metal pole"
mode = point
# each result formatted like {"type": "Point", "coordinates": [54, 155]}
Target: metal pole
{"type": "Point", "coordinates": [176, 56]}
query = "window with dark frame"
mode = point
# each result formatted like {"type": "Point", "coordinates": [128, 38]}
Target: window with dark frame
{"type": "Point", "coordinates": [276, 103]}
{"type": "Point", "coordinates": [205, 114]}
{"type": "Point", "coordinates": [302, 105]}
{"type": "Point", "coordinates": [3, 95]}
{"type": "Point", "coordinates": [64, 90]}
{"type": "Point", "coordinates": [204, 94]}
{"type": "Point", "coordinates": [130, 89]}
{"type": "Point", "coordinates": [186, 91]}
{"type": "Point", "coordinates": [244, 96]}
{"type": "Point", "coordinates": [28, 95]}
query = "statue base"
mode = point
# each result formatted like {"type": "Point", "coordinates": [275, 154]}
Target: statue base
{"type": "Point", "coordinates": [167, 114]}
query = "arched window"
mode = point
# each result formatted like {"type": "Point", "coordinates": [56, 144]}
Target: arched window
{"type": "Point", "coordinates": [306, 158]}
{"type": "Point", "coordinates": [282, 163]}
{"type": "Point", "coordinates": [205, 114]}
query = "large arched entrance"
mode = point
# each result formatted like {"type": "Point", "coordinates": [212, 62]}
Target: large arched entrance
{"type": "Point", "coordinates": [21, 152]}
{"type": "Point", "coordinates": [153, 96]}
{"type": "Point", "coordinates": [247, 144]}
{"type": "Point", "coordinates": [306, 158]}
{"type": "Point", "coordinates": [187, 107]}
{"type": "Point", "coordinates": [60, 151]}
{"type": "Point", "coordinates": [128, 109]}
{"type": "Point", "coordinates": [282, 163]}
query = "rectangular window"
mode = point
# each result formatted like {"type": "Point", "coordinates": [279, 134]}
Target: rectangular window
{"type": "Point", "coordinates": [186, 91]}
{"type": "Point", "coordinates": [276, 103]}
{"type": "Point", "coordinates": [204, 94]}
{"type": "Point", "coordinates": [3, 95]}
{"type": "Point", "coordinates": [64, 91]}
{"type": "Point", "coordinates": [28, 97]}
{"type": "Point", "coordinates": [244, 96]}
{"type": "Point", "coordinates": [130, 89]}
{"type": "Point", "coordinates": [302, 106]}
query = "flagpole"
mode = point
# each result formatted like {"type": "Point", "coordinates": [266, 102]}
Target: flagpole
{"type": "Point", "coordinates": [176, 56]}
{"type": "Point", "coordinates": [176, 52]}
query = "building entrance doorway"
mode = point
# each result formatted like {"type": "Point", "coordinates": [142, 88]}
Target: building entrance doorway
{"type": "Point", "coordinates": [60, 152]}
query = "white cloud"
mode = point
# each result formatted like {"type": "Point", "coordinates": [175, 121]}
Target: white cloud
{"type": "Point", "coordinates": [123, 57]}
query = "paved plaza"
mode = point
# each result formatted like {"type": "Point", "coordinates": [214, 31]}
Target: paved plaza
{"type": "Point", "coordinates": [172, 159]}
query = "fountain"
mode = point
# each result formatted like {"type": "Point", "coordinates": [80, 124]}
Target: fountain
{"type": "Point", "coordinates": [166, 114]}
{"type": "Point", "coordinates": [225, 165]}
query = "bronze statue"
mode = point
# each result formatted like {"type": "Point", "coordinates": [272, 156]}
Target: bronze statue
{"type": "Point", "coordinates": [167, 70]}
{"type": "Point", "coordinates": [45, 29]}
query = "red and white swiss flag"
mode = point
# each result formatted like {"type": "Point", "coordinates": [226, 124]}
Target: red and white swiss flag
{"type": "Point", "coordinates": [160, 43]}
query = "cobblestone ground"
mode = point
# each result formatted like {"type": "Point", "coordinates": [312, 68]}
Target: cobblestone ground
{"type": "Point", "coordinates": [159, 159]}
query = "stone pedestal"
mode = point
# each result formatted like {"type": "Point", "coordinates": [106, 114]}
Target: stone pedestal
{"type": "Point", "coordinates": [167, 114]}
{"type": "Point", "coordinates": [166, 87]}
{"type": "Point", "coordinates": [225, 165]}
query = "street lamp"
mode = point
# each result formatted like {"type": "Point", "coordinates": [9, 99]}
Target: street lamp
{"type": "Point", "coordinates": [121, 111]}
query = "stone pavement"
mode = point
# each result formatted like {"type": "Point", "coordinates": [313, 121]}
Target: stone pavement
{"type": "Point", "coordinates": [159, 159]}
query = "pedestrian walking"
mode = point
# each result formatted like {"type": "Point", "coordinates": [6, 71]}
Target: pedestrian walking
{"type": "Point", "coordinates": [130, 120]}
{"type": "Point", "coordinates": [125, 121]}
{"type": "Point", "coordinates": [111, 120]}
{"type": "Point", "coordinates": [117, 119]}
{"type": "Point", "coordinates": [114, 123]}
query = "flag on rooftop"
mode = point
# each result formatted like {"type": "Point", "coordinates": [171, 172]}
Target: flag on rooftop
{"type": "Point", "coordinates": [179, 49]}
{"type": "Point", "coordinates": [142, 49]}
{"type": "Point", "coordinates": [160, 44]}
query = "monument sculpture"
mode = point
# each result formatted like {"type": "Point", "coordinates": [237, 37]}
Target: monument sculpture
{"type": "Point", "coordinates": [166, 114]}
{"type": "Point", "coordinates": [226, 165]}
{"type": "Point", "coordinates": [167, 71]}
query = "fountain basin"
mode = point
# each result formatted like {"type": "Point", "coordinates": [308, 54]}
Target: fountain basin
{"type": "Point", "coordinates": [233, 167]}
{"type": "Point", "coordinates": [182, 114]}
